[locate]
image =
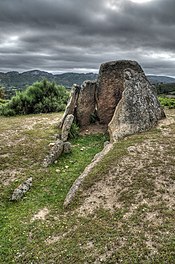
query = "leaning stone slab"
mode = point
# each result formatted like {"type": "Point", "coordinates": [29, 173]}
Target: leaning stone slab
{"type": "Point", "coordinates": [76, 185]}
{"type": "Point", "coordinates": [54, 154]}
{"type": "Point", "coordinates": [66, 127]}
{"type": "Point", "coordinates": [21, 190]}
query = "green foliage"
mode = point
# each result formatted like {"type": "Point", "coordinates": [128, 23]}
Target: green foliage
{"type": "Point", "coordinates": [2, 101]}
{"type": "Point", "coordinates": [41, 97]}
{"type": "Point", "coordinates": [169, 102]}
{"type": "Point", "coordinates": [74, 130]}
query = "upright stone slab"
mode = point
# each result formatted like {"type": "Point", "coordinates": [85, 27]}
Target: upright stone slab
{"type": "Point", "coordinates": [72, 104]}
{"type": "Point", "coordinates": [86, 103]}
{"type": "Point", "coordinates": [66, 127]}
{"type": "Point", "coordinates": [111, 86]}
{"type": "Point", "coordinates": [138, 109]}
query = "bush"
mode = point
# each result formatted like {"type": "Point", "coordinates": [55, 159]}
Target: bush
{"type": "Point", "coordinates": [169, 102]}
{"type": "Point", "coordinates": [41, 97]}
{"type": "Point", "coordinates": [7, 111]}
{"type": "Point", "coordinates": [2, 101]}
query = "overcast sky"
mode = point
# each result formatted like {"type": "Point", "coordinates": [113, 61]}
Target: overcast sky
{"type": "Point", "coordinates": [79, 35]}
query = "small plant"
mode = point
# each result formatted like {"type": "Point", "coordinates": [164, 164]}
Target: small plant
{"type": "Point", "coordinates": [74, 130]}
{"type": "Point", "coordinates": [94, 117]}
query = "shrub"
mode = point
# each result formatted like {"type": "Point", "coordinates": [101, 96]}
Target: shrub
{"type": "Point", "coordinates": [7, 111]}
{"type": "Point", "coordinates": [41, 97]}
{"type": "Point", "coordinates": [169, 102]}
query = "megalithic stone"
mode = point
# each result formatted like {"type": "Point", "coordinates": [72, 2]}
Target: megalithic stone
{"type": "Point", "coordinates": [86, 103]}
{"type": "Point", "coordinates": [111, 86]}
{"type": "Point", "coordinates": [138, 109]}
{"type": "Point", "coordinates": [72, 104]}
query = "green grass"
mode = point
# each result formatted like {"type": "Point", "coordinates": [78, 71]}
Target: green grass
{"type": "Point", "coordinates": [65, 236]}
{"type": "Point", "coordinates": [49, 186]}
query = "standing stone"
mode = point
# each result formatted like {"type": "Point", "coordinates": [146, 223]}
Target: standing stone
{"type": "Point", "coordinates": [72, 104]}
{"type": "Point", "coordinates": [111, 86]}
{"type": "Point", "coordinates": [86, 103]}
{"type": "Point", "coordinates": [138, 109]}
{"type": "Point", "coordinates": [66, 127]}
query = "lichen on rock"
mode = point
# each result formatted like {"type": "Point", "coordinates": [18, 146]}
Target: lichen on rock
{"type": "Point", "coordinates": [138, 109]}
{"type": "Point", "coordinates": [66, 127]}
{"type": "Point", "coordinates": [21, 190]}
{"type": "Point", "coordinates": [54, 153]}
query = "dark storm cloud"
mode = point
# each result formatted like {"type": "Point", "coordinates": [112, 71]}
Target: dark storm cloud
{"type": "Point", "coordinates": [57, 35]}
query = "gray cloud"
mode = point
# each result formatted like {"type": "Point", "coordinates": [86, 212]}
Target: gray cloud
{"type": "Point", "coordinates": [79, 35]}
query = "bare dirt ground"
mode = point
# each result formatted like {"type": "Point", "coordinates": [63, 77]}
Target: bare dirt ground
{"type": "Point", "coordinates": [152, 157]}
{"type": "Point", "coordinates": [16, 134]}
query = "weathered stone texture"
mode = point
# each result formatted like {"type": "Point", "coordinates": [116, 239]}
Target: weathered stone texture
{"type": "Point", "coordinates": [86, 103]}
{"type": "Point", "coordinates": [139, 108]}
{"type": "Point", "coordinates": [111, 86]}
{"type": "Point", "coordinates": [72, 104]}
{"type": "Point", "coordinates": [21, 190]}
{"type": "Point", "coordinates": [67, 147]}
{"type": "Point", "coordinates": [54, 153]}
{"type": "Point", "coordinates": [66, 127]}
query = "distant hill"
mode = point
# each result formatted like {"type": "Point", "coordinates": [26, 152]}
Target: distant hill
{"type": "Point", "coordinates": [14, 80]}
{"type": "Point", "coordinates": [155, 79]}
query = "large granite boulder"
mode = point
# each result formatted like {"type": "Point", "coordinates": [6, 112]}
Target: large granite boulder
{"type": "Point", "coordinates": [110, 88]}
{"type": "Point", "coordinates": [139, 109]}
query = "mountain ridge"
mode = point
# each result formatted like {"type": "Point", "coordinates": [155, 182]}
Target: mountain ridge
{"type": "Point", "coordinates": [15, 80]}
